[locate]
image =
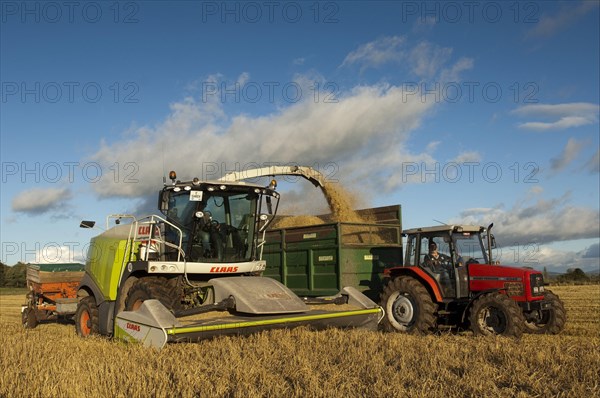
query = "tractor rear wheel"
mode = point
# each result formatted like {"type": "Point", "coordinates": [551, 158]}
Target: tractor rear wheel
{"type": "Point", "coordinates": [408, 307]}
{"type": "Point", "coordinates": [496, 314]}
{"type": "Point", "coordinates": [151, 288]}
{"type": "Point", "coordinates": [552, 320]}
{"type": "Point", "coordinates": [86, 317]}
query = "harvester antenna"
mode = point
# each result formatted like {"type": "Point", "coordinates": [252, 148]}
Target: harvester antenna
{"type": "Point", "coordinates": [438, 221]}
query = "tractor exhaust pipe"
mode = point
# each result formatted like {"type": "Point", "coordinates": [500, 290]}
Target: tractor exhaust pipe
{"type": "Point", "coordinates": [489, 242]}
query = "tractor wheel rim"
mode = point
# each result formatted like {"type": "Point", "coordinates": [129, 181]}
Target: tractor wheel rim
{"type": "Point", "coordinates": [402, 310]}
{"type": "Point", "coordinates": [137, 305]}
{"type": "Point", "coordinates": [85, 323]}
{"type": "Point", "coordinates": [493, 320]}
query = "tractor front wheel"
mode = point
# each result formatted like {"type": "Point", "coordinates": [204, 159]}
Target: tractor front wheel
{"type": "Point", "coordinates": [496, 314]}
{"type": "Point", "coordinates": [86, 317]}
{"type": "Point", "coordinates": [550, 321]}
{"type": "Point", "coordinates": [408, 307]}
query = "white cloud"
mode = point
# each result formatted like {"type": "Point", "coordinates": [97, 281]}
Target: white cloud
{"type": "Point", "coordinates": [40, 200]}
{"type": "Point", "coordinates": [593, 165]}
{"type": "Point", "coordinates": [467, 156]}
{"type": "Point", "coordinates": [53, 253]}
{"type": "Point", "coordinates": [243, 78]}
{"type": "Point", "coordinates": [378, 52]}
{"type": "Point", "coordinates": [545, 221]}
{"type": "Point", "coordinates": [565, 116]}
{"type": "Point", "coordinates": [427, 59]}
{"type": "Point", "coordinates": [549, 25]}
{"type": "Point", "coordinates": [369, 124]}
{"type": "Point", "coordinates": [569, 154]}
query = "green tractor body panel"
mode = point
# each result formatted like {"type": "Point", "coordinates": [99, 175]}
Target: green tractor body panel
{"type": "Point", "coordinates": [108, 255]}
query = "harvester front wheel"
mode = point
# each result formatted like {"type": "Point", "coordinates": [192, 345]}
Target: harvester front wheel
{"type": "Point", "coordinates": [86, 317]}
{"type": "Point", "coordinates": [150, 288]}
{"type": "Point", "coordinates": [408, 307]}
{"type": "Point", "coordinates": [496, 314]}
{"type": "Point", "coordinates": [550, 321]}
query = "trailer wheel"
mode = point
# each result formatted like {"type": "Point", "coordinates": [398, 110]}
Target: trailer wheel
{"type": "Point", "coordinates": [408, 307]}
{"type": "Point", "coordinates": [29, 318]}
{"type": "Point", "coordinates": [86, 317]}
{"type": "Point", "coordinates": [151, 288]}
{"type": "Point", "coordinates": [550, 321]}
{"type": "Point", "coordinates": [496, 314]}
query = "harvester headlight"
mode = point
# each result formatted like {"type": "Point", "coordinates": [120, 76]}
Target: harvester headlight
{"type": "Point", "coordinates": [172, 268]}
{"type": "Point", "coordinates": [153, 268]}
{"type": "Point", "coordinates": [187, 188]}
{"type": "Point", "coordinates": [163, 267]}
{"type": "Point", "coordinates": [176, 189]}
{"type": "Point", "coordinates": [210, 189]}
{"type": "Point", "coordinates": [256, 190]}
{"type": "Point", "coordinates": [223, 187]}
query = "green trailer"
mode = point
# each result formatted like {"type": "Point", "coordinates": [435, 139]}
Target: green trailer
{"type": "Point", "coordinates": [318, 260]}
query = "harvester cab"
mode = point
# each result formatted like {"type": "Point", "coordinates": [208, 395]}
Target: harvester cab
{"type": "Point", "coordinates": [149, 279]}
{"type": "Point", "coordinates": [216, 222]}
{"type": "Point", "coordinates": [449, 279]}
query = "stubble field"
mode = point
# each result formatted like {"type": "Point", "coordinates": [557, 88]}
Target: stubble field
{"type": "Point", "coordinates": [51, 361]}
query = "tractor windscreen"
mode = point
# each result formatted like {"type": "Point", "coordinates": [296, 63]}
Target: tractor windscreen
{"type": "Point", "coordinates": [218, 225]}
{"type": "Point", "coordinates": [469, 248]}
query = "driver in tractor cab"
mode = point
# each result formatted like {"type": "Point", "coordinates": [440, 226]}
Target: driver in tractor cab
{"type": "Point", "coordinates": [435, 260]}
{"type": "Point", "coordinates": [204, 225]}
{"type": "Point", "coordinates": [438, 263]}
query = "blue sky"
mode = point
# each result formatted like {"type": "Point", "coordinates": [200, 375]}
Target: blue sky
{"type": "Point", "coordinates": [471, 112]}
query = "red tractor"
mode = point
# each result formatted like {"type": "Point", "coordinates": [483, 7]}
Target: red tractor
{"type": "Point", "coordinates": [448, 280]}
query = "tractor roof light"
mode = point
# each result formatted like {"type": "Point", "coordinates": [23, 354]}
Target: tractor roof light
{"type": "Point", "coordinates": [172, 176]}
{"type": "Point", "coordinates": [273, 184]}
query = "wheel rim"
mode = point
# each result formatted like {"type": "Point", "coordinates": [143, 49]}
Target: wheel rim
{"type": "Point", "coordinates": [136, 305]}
{"type": "Point", "coordinates": [541, 322]}
{"type": "Point", "coordinates": [400, 310]}
{"type": "Point", "coordinates": [492, 320]}
{"type": "Point", "coordinates": [85, 323]}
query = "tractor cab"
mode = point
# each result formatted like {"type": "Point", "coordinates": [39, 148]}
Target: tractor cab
{"type": "Point", "coordinates": [445, 252]}
{"type": "Point", "coordinates": [217, 221]}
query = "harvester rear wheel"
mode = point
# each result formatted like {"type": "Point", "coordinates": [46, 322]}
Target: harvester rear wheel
{"type": "Point", "coordinates": [29, 318]}
{"type": "Point", "coordinates": [151, 288]}
{"type": "Point", "coordinates": [496, 314]}
{"type": "Point", "coordinates": [408, 307]}
{"type": "Point", "coordinates": [86, 317]}
{"type": "Point", "coordinates": [551, 321]}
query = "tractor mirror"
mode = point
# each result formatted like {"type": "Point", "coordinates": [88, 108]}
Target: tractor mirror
{"type": "Point", "coordinates": [269, 205]}
{"type": "Point", "coordinates": [492, 241]}
{"type": "Point", "coordinates": [87, 224]}
{"type": "Point", "coordinates": [163, 202]}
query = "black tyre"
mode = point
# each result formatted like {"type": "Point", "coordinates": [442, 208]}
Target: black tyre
{"type": "Point", "coordinates": [496, 314]}
{"type": "Point", "coordinates": [550, 321]}
{"type": "Point", "coordinates": [86, 317]}
{"type": "Point", "coordinates": [408, 307]}
{"type": "Point", "coordinates": [29, 318]}
{"type": "Point", "coordinates": [152, 288]}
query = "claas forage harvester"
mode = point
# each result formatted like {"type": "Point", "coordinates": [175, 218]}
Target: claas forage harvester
{"type": "Point", "coordinates": [195, 272]}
